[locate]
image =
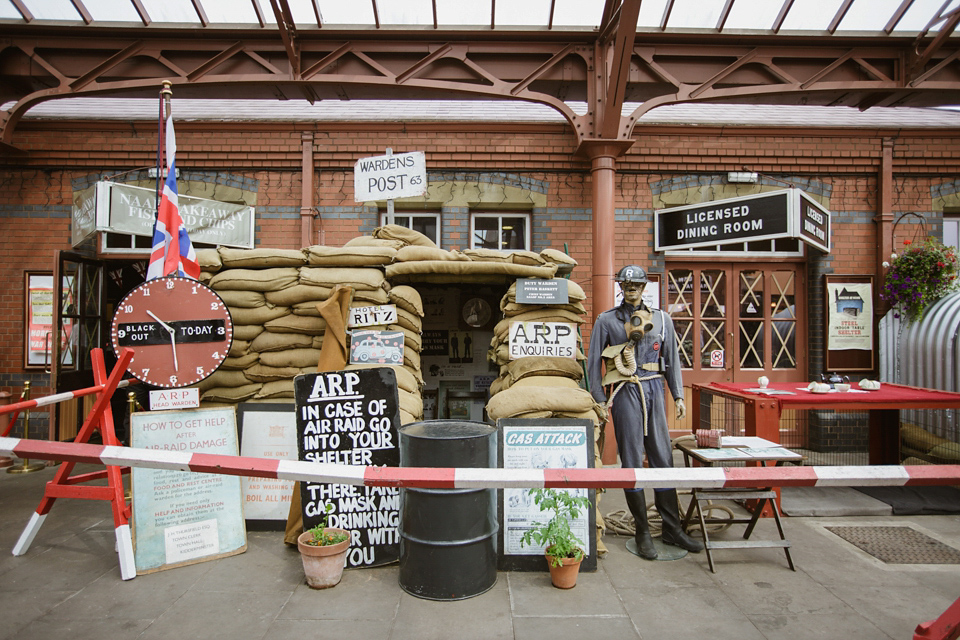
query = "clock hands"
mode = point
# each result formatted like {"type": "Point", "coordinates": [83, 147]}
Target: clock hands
{"type": "Point", "coordinates": [173, 337]}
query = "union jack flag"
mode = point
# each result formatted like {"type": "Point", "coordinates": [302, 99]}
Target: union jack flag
{"type": "Point", "coordinates": [173, 252]}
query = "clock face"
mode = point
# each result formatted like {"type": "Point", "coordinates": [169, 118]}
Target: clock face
{"type": "Point", "coordinates": [180, 331]}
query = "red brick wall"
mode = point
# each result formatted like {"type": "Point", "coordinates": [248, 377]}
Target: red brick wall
{"type": "Point", "coordinates": [36, 188]}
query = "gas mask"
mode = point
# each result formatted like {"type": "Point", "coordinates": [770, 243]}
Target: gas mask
{"type": "Point", "coordinates": [638, 324]}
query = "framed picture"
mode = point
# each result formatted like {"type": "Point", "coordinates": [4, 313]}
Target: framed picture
{"type": "Point", "coordinates": [38, 326]}
{"type": "Point", "coordinates": [848, 319]}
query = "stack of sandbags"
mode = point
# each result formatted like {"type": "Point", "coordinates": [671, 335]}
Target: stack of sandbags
{"type": "Point", "coordinates": [409, 375]}
{"type": "Point", "coordinates": [536, 387]}
{"type": "Point", "coordinates": [273, 294]}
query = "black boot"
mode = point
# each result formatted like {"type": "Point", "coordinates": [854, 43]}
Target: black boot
{"type": "Point", "coordinates": [638, 509]}
{"type": "Point", "coordinates": [673, 533]}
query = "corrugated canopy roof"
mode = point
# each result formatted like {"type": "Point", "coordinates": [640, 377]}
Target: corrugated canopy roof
{"type": "Point", "coordinates": [891, 17]}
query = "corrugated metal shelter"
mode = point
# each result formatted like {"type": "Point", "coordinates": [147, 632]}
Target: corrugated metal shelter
{"type": "Point", "coordinates": [925, 354]}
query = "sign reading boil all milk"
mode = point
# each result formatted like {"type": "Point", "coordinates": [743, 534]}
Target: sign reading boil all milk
{"type": "Point", "coordinates": [351, 418]}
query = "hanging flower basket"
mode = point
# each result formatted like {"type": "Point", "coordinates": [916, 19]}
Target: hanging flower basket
{"type": "Point", "coordinates": [919, 276]}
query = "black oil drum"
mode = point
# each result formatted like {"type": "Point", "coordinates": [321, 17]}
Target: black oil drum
{"type": "Point", "coordinates": [448, 537]}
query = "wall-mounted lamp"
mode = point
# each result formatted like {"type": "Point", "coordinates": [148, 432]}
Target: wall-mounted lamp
{"type": "Point", "coordinates": [742, 176]}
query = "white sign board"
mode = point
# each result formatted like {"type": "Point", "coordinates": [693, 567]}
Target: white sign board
{"type": "Point", "coordinates": [162, 399]}
{"type": "Point", "coordinates": [371, 316]}
{"type": "Point", "coordinates": [400, 175]}
{"type": "Point", "coordinates": [556, 339]}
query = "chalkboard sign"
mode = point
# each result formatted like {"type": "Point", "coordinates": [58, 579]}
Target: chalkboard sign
{"type": "Point", "coordinates": [182, 517]}
{"type": "Point", "coordinates": [351, 417]}
{"type": "Point", "coordinates": [543, 444]}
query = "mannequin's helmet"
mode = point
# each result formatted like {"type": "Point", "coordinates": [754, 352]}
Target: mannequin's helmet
{"type": "Point", "coordinates": [632, 273]}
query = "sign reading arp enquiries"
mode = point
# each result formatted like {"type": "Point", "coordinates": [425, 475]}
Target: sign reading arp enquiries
{"type": "Point", "coordinates": [780, 214]}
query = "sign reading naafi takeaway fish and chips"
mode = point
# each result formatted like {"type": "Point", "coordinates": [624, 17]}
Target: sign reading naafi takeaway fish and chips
{"type": "Point", "coordinates": [789, 213]}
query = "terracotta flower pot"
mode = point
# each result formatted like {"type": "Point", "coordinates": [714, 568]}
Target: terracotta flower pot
{"type": "Point", "coordinates": [323, 566]}
{"type": "Point", "coordinates": [564, 576]}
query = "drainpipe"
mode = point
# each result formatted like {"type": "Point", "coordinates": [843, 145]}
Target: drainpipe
{"type": "Point", "coordinates": [884, 219]}
{"type": "Point", "coordinates": [306, 198]}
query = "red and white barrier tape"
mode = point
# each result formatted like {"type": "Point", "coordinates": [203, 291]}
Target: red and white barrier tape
{"type": "Point", "coordinates": [459, 478]}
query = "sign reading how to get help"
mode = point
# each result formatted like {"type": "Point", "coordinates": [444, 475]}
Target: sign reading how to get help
{"type": "Point", "coordinates": [387, 177]}
{"type": "Point", "coordinates": [181, 517]}
{"type": "Point", "coordinates": [556, 339]}
{"type": "Point", "coordinates": [351, 418]}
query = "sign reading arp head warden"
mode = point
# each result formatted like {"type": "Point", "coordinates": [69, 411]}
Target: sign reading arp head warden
{"type": "Point", "coordinates": [351, 417]}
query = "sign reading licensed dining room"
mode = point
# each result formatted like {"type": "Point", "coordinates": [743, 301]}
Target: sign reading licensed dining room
{"type": "Point", "coordinates": [789, 213]}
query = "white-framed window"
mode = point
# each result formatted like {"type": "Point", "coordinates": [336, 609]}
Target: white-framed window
{"type": "Point", "coordinates": [951, 230]}
{"type": "Point", "coordinates": [777, 248]}
{"type": "Point", "coordinates": [426, 223]}
{"type": "Point", "coordinates": [500, 231]}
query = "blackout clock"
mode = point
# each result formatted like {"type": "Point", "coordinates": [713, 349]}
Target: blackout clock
{"type": "Point", "coordinates": [179, 329]}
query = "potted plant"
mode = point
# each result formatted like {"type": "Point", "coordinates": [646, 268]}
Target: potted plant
{"type": "Point", "coordinates": [563, 550]}
{"type": "Point", "coordinates": [323, 551]}
{"type": "Point", "coordinates": [918, 277]}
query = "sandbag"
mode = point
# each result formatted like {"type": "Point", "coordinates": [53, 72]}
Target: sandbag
{"type": "Point", "coordinates": [357, 277]}
{"type": "Point", "coordinates": [245, 299]}
{"type": "Point", "coordinates": [418, 252]}
{"type": "Point", "coordinates": [246, 332]}
{"type": "Point", "coordinates": [517, 400]}
{"type": "Point", "coordinates": [230, 394]}
{"type": "Point", "coordinates": [472, 270]}
{"type": "Point", "coordinates": [256, 279]}
{"type": "Point", "coordinates": [304, 357]}
{"type": "Point", "coordinates": [370, 241]}
{"type": "Point", "coordinates": [269, 341]}
{"type": "Point", "coordinates": [349, 256]}
{"type": "Point", "coordinates": [405, 235]}
{"type": "Point", "coordinates": [239, 362]}
{"type": "Point", "coordinates": [258, 315]}
{"type": "Point", "coordinates": [543, 366]}
{"type": "Point", "coordinates": [261, 258]}
{"type": "Point", "coordinates": [304, 325]}
{"type": "Point", "coordinates": [275, 390]}
{"type": "Point", "coordinates": [260, 372]}
{"type": "Point", "coordinates": [209, 260]}
{"type": "Point", "coordinates": [408, 298]}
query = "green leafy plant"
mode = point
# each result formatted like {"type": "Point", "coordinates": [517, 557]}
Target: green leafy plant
{"type": "Point", "coordinates": [323, 538]}
{"type": "Point", "coordinates": [918, 277]}
{"type": "Point", "coordinates": [555, 534]}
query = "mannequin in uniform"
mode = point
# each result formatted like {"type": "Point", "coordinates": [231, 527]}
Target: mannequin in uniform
{"type": "Point", "coordinates": [633, 349]}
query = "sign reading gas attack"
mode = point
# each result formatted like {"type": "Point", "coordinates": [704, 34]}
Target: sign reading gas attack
{"type": "Point", "coordinates": [351, 417]}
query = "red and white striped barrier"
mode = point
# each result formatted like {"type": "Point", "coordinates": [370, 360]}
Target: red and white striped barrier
{"type": "Point", "coordinates": [457, 478]}
{"type": "Point", "coordinates": [15, 409]}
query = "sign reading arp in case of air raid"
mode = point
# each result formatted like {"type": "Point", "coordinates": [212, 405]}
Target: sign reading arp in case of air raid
{"type": "Point", "coordinates": [764, 216]}
{"type": "Point", "coordinates": [351, 417]}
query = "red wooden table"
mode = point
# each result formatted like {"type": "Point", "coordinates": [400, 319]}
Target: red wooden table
{"type": "Point", "coordinates": [762, 411]}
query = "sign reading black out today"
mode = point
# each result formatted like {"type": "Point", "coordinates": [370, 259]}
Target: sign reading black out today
{"type": "Point", "coordinates": [789, 213]}
{"type": "Point", "coordinates": [351, 417]}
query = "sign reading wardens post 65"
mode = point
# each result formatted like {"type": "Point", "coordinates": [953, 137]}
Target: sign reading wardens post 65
{"type": "Point", "coordinates": [387, 177]}
{"type": "Point", "coordinates": [351, 418]}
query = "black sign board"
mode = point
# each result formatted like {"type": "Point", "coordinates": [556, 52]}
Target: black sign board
{"type": "Point", "coordinates": [814, 223]}
{"type": "Point", "coordinates": [734, 220]}
{"type": "Point", "coordinates": [789, 213]}
{"type": "Point", "coordinates": [351, 417]}
{"type": "Point", "coordinates": [542, 444]}
{"type": "Point", "coordinates": [542, 291]}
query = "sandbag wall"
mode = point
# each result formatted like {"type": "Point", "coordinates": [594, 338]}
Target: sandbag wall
{"type": "Point", "coordinates": [273, 294]}
{"type": "Point", "coordinates": [535, 387]}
